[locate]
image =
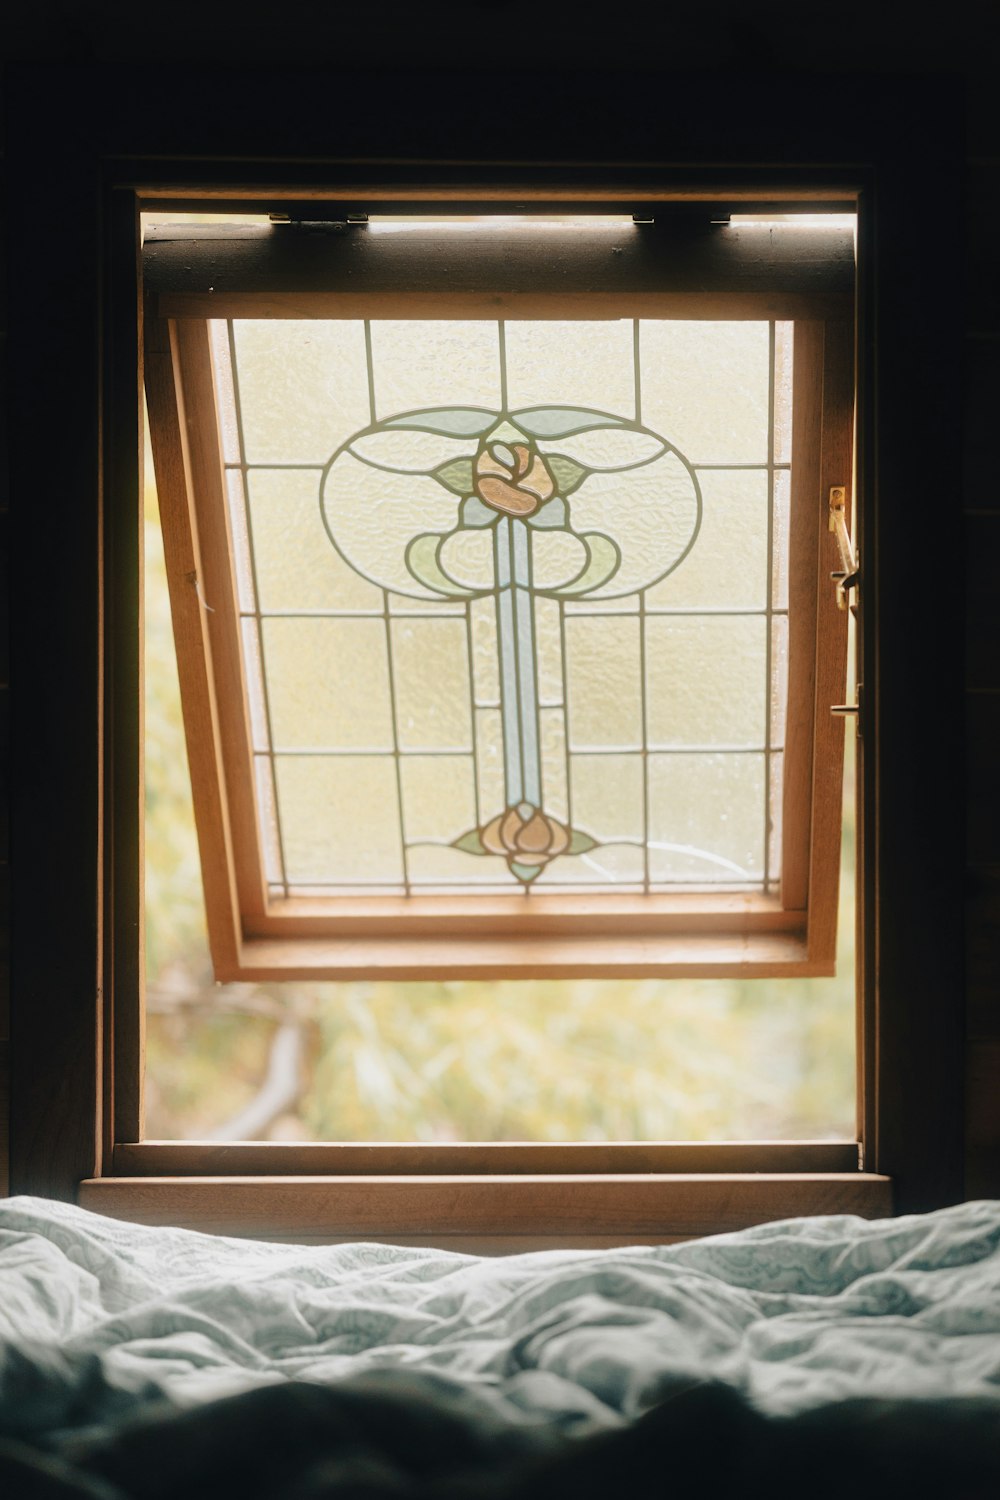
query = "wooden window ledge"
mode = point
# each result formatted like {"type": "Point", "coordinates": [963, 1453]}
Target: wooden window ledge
{"type": "Point", "coordinates": [487, 1214]}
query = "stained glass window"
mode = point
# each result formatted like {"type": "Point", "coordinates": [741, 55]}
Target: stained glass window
{"type": "Point", "coordinates": [513, 600]}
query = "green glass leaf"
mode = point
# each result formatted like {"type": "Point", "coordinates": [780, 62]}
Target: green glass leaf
{"type": "Point", "coordinates": [449, 421]}
{"type": "Point", "coordinates": [604, 561]}
{"type": "Point", "coordinates": [475, 514]}
{"type": "Point", "coordinates": [422, 562]}
{"type": "Point", "coordinates": [471, 843]}
{"type": "Point", "coordinates": [456, 476]}
{"type": "Point", "coordinates": [525, 872]}
{"type": "Point", "coordinates": [580, 842]}
{"type": "Point", "coordinates": [566, 472]}
{"type": "Point", "coordinates": [562, 421]}
{"type": "Point", "coordinates": [552, 516]}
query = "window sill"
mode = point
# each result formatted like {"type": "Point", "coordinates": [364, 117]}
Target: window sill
{"type": "Point", "coordinates": [486, 1213]}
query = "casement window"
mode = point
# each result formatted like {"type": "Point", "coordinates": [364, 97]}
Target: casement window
{"type": "Point", "coordinates": [500, 563]}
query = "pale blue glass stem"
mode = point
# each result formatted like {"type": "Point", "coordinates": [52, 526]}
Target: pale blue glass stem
{"type": "Point", "coordinates": [518, 690]}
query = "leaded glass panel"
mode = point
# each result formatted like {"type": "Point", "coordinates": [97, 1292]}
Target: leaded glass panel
{"type": "Point", "coordinates": [513, 599]}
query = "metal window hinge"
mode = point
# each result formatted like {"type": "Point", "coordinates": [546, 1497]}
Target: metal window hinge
{"type": "Point", "coordinates": [855, 709]}
{"type": "Point", "coordinates": [848, 575]}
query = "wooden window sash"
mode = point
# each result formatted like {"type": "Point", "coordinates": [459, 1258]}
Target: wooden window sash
{"type": "Point", "coordinates": [585, 935]}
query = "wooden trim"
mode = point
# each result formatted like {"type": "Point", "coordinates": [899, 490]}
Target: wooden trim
{"type": "Point", "coordinates": [438, 1210]}
{"type": "Point", "coordinates": [446, 303]}
{"type": "Point", "coordinates": [207, 514]}
{"type": "Point", "coordinates": [510, 1158]}
{"type": "Point", "coordinates": [837, 468]}
{"type": "Point", "coordinates": [803, 551]}
{"type": "Point", "coordinates": [123, 584]}
{"type": "Point", "coordinates": [426, 187]}
{"type": "Point", "coordinates": [169, 434]}
{"type": "Point", "coordinates": [471, 956]}
{"type": "Point", "coordinates": [550, 915]}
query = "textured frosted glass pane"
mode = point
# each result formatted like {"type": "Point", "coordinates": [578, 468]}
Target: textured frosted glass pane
{"type": "Point", "coordinates": [607, 447]}
{"type": "Point", "coordinates": [776, 793]}
{"type": "Point", "coordinates": [413, 451]}
{"type": "Point", "coordinates": [608, 797]}
{"type": "Point", "coordinates": [553, 740]}
{"type": "Point", "coordinates": [376, 515]}
{"type": "Point", "coordinates": [727, 566]}
{"type": "Point", "coordinates": [489, 763]}
{"type": "Point", "coordinates": [328, 684]}
{"type": "Point", "coordinates": [571, 364]}
{"type": "Point", "coordinates": [617, 866]}
{"type": "Point", "coordinates": [705, 388]}
{"type": "Point", "coordinates": [706, 818]}
{"type": "Point", "coordinates": [242, 565]}
{"type": "Point", "coordinates": [783, 333]}
{"type": "Point", "coordinates": [652, 512]}
{"type": "Point", "coordinates": [339, 818]}
{"type": "Point", "coordinates": [225, 397]}
{"type": "Point", "coordinates": [401, 604]}
{"type": "Point", "coordinates": [782, 515]}
{"type": "Point", "coordinates": [419, 364]}
{"type": "Point", "coordinates": [603, 682]}
{"type": "Point", "coordinates": [779, 679]}
{"type": "Point", "coordinates": [267, 817]}
{"type": "Point", "coordinates": [303, 387]}
{"type": "Point", "coordinates": [439, 796]}
{"type": "Point", "coordinates": [548, 651]}
{"type": "Point", "coordinates": [297, 565]}
{"type": "Point", "coordinates": [431, 675]}
{"type": "Point", "coordinates": [706, 680]}
{"type": "Point", "coordinates": [453, 867]}
{"type": "Point", "coordinates": [259, 737]}
{"type": "Point", "coordinates": [627, 606]}
{"type": "Point", "coordinates": [485, 670]}
{"type": "Point", "coordinates": [466, 557]}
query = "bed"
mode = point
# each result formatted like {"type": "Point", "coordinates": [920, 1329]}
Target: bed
{"type": "Point", "coordinates": [806, 1356]}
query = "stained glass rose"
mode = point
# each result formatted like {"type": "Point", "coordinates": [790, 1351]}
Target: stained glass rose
{"type": "Point", "coordinates": [509, 477]}
{"type": "Point", "coordinates": [525, 836]}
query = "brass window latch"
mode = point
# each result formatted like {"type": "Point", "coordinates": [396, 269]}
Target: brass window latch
{"type": "Point", "coordinates": [848, 575]}
{"type": "Point", "coordinates": [852, 710]}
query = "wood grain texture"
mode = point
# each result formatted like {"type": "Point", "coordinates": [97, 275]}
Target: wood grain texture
{"type": "Point", "coordinates": [440, 1208]}
{"type": "Point", "coordinates": [205, 515]}
{"type": "Point", "coordinates": [122, 584]}
{"type": "Point", "coordinates": [169, 426]}
{"type": "Point", "coordinates": [335, 1159]}
{"type": "Point", "coordinates": [803, 588]}
{"type": "Point", "coordinates": [826, 809]}
{"type": "Point", "coordinates": [468, 956]}
{"type": "Point", "coordinates": [648, 262]}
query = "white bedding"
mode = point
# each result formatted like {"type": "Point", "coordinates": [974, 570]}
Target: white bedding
{"type": "Point", "coordinates": [96, 1315]}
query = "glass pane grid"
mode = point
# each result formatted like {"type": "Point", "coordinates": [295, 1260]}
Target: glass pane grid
{"type": "Point", "coordinates": [490, 668]}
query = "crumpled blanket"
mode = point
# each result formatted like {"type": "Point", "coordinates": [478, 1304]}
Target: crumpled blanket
{"type": "Point", "coordinates": [105, 1326]}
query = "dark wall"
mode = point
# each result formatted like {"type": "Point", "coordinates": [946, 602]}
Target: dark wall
{"type": "Point", "coordinates": [838, 49]}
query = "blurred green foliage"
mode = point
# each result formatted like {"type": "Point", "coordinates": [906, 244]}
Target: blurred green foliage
{"type": "Point", "coordinates": [555, 1060]}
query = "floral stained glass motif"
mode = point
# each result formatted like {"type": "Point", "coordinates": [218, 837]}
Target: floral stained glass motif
{"type": "Point", "coordinates": [521, 640]}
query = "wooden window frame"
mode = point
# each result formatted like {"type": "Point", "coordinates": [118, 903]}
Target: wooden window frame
{"type": "Point", "coordinates": [211, 273]}
{"type": "Point", "coordinates": [77, 950]}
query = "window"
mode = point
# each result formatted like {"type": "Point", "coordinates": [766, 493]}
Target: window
{"type": "Point", "coordinates": [499, 571]}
